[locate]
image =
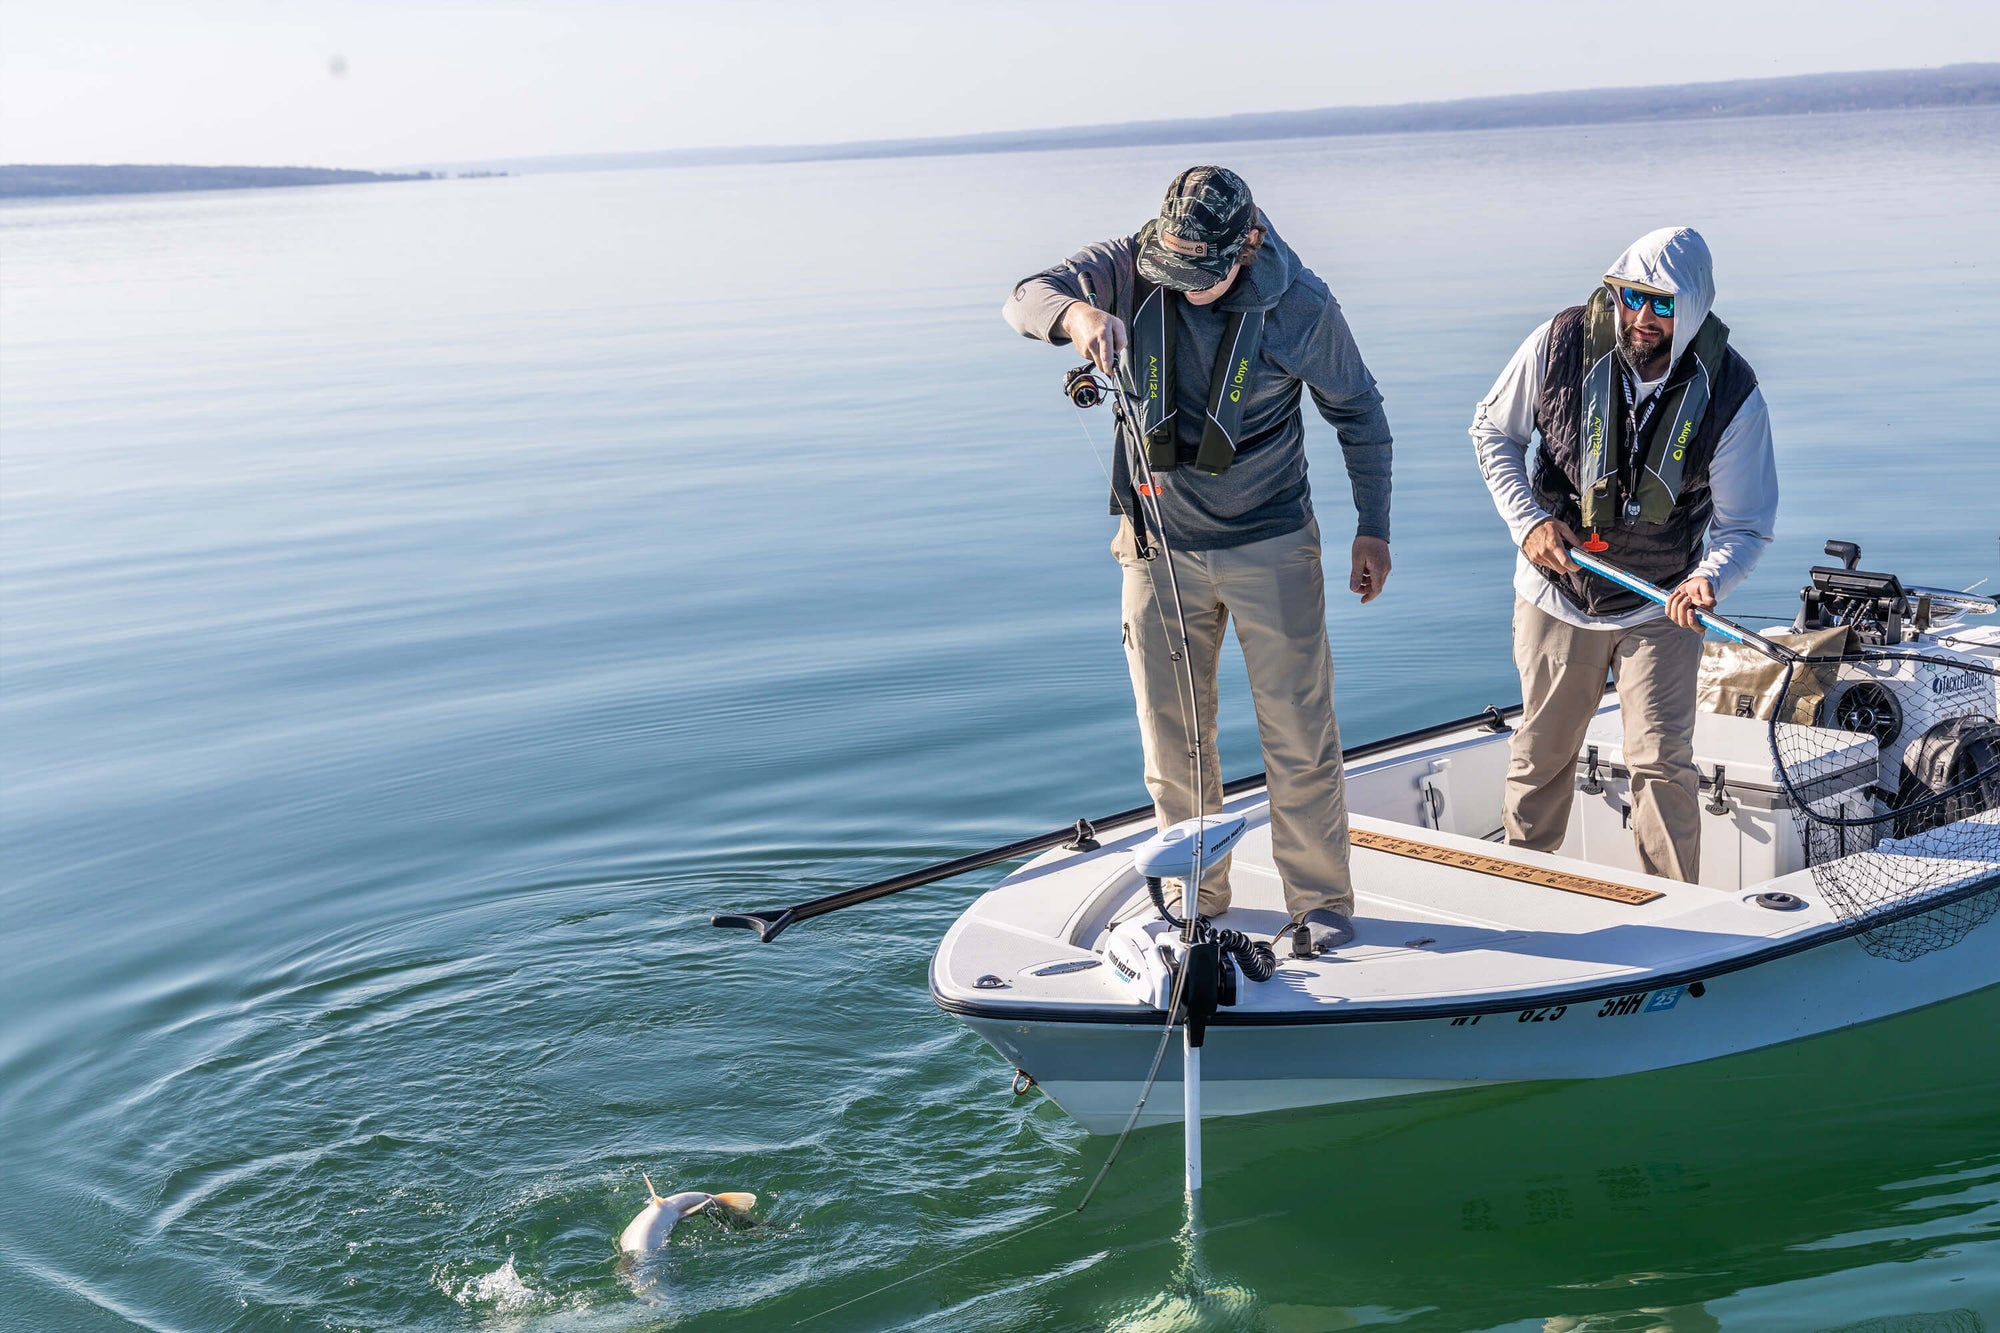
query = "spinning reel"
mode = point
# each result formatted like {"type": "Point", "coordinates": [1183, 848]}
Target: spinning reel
{"type": "Point", "coordinates": [1082, 387]}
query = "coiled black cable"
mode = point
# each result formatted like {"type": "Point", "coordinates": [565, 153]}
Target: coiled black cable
{"type": "Point", "coordinates": [1255, 957]}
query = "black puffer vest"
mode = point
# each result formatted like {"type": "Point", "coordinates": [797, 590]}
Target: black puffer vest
{"type": "Point", "coordinates": [1660, 553]}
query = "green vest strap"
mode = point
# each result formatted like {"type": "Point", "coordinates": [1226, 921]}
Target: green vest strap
{"type": "Point", "coordinates": [1597, 446]}
{"type": "Point", "coordinates": [1153, 338]}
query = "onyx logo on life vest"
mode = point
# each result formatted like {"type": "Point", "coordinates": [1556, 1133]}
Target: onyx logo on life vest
{"type": "Point", "coordinates": [1236, 384]}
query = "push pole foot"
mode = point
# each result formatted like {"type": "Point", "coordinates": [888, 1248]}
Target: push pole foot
{"type": "Point", "coordinates": [768, 925]}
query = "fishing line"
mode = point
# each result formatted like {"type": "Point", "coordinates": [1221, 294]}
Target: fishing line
{"type": "Point", "coordinates": [1191, 720]}
{"type": "Point", "coordinates": [1148, 489]}
{"type": "Point", "coordinates": [1131, 1123]}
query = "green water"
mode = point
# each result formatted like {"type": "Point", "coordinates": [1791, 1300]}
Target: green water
{"type": "Point", "coordinates": [420, 606]}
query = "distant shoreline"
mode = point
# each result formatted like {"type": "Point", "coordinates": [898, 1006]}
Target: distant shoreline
{"type": "Point", "coordinates": [1951, 86]}
{"type": "Point", "coordinates": [56, 182]}
{"type": "Point", "coordinates": [1946, 88]}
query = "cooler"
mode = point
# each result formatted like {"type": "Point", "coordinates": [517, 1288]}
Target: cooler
{"type": "Point", "coordinates": [1748, 834]}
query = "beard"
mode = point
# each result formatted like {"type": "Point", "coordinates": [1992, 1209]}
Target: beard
{"type": "Point", "coordinates": [1648, 358]}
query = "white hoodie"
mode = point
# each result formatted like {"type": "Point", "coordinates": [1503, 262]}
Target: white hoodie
{"type": "Point", "coordinates": [1742, 477]}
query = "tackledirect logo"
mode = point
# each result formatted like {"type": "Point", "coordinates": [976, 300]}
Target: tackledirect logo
{"type": "Point", "coordinates": [1952, 682]}
{"type": "Point", "coordinates": [1242, 369]}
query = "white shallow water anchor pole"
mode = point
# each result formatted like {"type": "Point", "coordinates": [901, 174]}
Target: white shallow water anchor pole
{"type": "Point", "coordinates": [1181, 851]}
{"type": "Point", "coordinates": [1191, 1108]}
{"type": "Point", "coordinates": [1190, 1044]}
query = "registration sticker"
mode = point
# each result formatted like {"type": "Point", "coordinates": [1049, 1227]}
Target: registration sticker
{"type": "Point", "coordinates": [1664, 999]}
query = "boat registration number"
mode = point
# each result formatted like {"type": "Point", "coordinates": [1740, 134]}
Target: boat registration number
{"type": "Point", "coordinates": [1503, 868]}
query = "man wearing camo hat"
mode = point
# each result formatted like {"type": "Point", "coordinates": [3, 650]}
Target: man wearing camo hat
{"type": "Point", "coordinates": [1222, 328]}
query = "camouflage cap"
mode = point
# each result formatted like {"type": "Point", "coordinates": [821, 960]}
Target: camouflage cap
{"type": "Point", "coordinates": [1201, 228]}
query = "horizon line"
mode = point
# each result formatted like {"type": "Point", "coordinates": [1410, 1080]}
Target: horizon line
{"type": "Point", "coordinates": [1977, 82]}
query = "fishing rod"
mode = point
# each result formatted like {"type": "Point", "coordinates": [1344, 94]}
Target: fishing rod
{"type": "Point", "coordinates": [1201, 965]}
{"type": "Point", "coordinates": [1722, 625]}
{"type": "Point", "coordinates": [1202, 953]}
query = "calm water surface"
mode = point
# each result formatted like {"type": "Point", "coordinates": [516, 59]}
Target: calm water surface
{"type": "Point", "coordinates": [420, 606]}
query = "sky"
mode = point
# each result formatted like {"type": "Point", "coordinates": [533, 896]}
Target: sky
{"type": "Point", "coordinates": [387, 83]}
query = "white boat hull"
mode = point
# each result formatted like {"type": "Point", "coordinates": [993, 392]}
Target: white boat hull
{"type": "Point", "coordinates": [1096, 1072]}
{"type": "Point", "coordinates": [1473, 964]}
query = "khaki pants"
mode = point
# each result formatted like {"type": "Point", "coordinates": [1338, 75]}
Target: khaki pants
{"type": "Point", "coordinates": [1275, 593]}
{"type": "Point", "coordinates": [1562, 685]}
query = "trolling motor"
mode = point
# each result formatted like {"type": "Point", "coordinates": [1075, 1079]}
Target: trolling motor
{"type": "Point", "coordinates": [1150, 956]}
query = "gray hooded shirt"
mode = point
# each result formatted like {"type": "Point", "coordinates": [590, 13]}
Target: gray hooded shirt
{"type": "Point", "coordinates": [1306, 343]}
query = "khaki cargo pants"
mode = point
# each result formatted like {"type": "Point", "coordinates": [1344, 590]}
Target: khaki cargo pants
{"type": "Point", "coordinates": [1562, 670]}
{"type": "Point", "coordinates": [1275, 593]}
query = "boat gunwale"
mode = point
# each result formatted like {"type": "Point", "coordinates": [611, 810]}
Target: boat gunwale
{"type": "Point", "coordinates": [1363, 1012]}
{"type": "Point", "coordinates": [1832, 932]}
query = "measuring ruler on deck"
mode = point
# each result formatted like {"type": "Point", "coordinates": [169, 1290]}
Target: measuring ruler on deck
{"type": "Point", "coordinates": [1484, 864]}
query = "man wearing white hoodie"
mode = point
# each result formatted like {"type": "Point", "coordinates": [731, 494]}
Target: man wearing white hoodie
{"type": "Point", "coordinates": [1651, 445]}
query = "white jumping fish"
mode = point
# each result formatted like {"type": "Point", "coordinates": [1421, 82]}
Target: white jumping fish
{"type": "Point", "coordinates": [655, 1222]}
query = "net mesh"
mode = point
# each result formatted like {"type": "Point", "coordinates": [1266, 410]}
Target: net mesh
{"type": "Point", "coordinates": [1891, 758]}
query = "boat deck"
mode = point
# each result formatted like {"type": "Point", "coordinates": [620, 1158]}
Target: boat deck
{"type": "Point", "coordinates": [1463, 918]}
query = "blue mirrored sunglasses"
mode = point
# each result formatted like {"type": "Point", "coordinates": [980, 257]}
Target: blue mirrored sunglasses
{"type": "Point", "coordinates": [1634, 299]}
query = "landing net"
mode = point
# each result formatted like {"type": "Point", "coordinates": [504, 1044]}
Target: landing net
{"type": "Point", "coordinates": [1912, 841]}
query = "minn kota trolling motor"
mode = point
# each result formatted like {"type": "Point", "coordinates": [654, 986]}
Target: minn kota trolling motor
{"type": "Point", "coordinates": [1184, 958]}
{"type": "Point", "coordinates": [1150, 955]}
